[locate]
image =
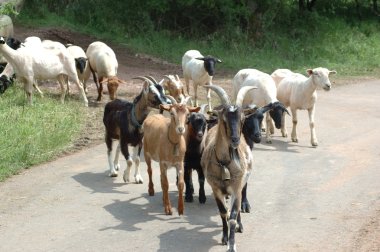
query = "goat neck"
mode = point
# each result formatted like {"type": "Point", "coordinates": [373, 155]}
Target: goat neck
{"type": "Point", "coordinates": [140, 109]}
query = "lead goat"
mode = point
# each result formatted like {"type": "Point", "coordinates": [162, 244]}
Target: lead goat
{"type": "Point", "coordinates": [299, 92]}
{"type": "Point", "coordinates": [227, 162]}
{"type": "Point", "coordinates": [123, 121]}
{"type": "Point", "coordinates": [200, 70]}
{"type": "Point", "coordinates": [165, 142]}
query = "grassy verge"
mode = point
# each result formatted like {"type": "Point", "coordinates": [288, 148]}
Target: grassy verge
{"type": "Point", "coordinates": [34, 134]}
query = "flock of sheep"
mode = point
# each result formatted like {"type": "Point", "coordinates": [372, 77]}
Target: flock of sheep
{"type": "Point", "coordinates": [216, 141]}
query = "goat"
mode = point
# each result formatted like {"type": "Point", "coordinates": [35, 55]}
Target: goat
{"type": "Point", "coordinates": [164, 141]}
{"type": "Point", "coordinates": [227, 162]}
{"type": "Point", "coordinates": [200, 70]}
{"type": "Point", "coordinates": [38, 63]}
{"type": "Point", "coordinates": [266, 94]}
{"type": "Point", "coordinates": [196, 131]}
{"type": "Point", "coordinates": [174, 87]}
{"type": "Point", "coordinates": [102, 61]}
{"type": "Point", "coordinates": [299, 92]}
{"type": "Point", "coordinates": [123, 121]}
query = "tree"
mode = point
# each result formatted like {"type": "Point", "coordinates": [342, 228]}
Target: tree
{"type": "Point", "coordinates": [306, 5]}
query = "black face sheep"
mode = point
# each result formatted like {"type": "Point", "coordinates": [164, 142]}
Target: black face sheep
{"type": "Point", "coordinates": [123, 121]}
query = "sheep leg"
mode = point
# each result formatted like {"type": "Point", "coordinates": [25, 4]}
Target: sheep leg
{"type": "Point", "coordinates": [148, 162]}
{"type": "Point", "coordinates": [283, 128]}
{"type": "Point", "coordinates": [267, 127]}
{"type": "Point", "coordinates": [294, 130]}
{"type": "Point", "coordinates": [165, 190]}
{"type": "Point", "coordinates": [208, 99]}
{"type": "Point", "coordinates": [245, 206]}
{"type": "Point", "coordinates": [232, 221]}
{"type": "Point", "coordinates": [201, 180]}
{"type": "Point", "coordinates": [189, 184]}
{"type": "Point", "coordinates": [223, 215]}
{"type": "Point", "coordinates": [28, 87]}
{"type": "Point", "coordinates": [100, 91]}
{"type": "Point", "coordinates": [196, 95]}
{"type": "Point", "coordinates": [35, 85]}
{"type": "Point", "coordinates": [109, 143]}
{"type": "Point", "coordinates": [180, 186]}
{"type": "Point", "coordinates": [81, 90]}
{"type": "Point", "coordinates": [61, 80]}
{"type": "Point", "coordinates": [314, 141]}
{"type": "Point", "coordinates": [136, 155]}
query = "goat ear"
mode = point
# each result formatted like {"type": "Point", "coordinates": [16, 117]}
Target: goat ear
{"type": "Point", "coordinates": [249, 111]}
{"type": "Point", "coordinates": [218, 60]}
{"type": "Point", "coordinates": [332, 72]}
{"type": "Point", "coordinates": [194, 109]}
{"type": "Point", "coordinates": [103, 80]}
{"type": "Point", "coordinates": [309, 71]}
{"type": "Point", "coordinates": [200, 58]}
{"type": "Point", "coordinates": [165, 107]}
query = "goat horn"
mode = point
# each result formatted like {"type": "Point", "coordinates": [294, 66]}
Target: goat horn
{"type": "Point", "coordinates": [177, 77]}
{"type": "Point", "coordinates": [171, 98]}
{"type": "Point", "coordinates": [152, 79]}
{"type": "Point", "coordinates": [168, 77]}
{"type": "Point", "coordinates": [241, 94]}
{"type": "Point", "coordinates": [221, 93]}
{"type": "Point", "coordinates": [185, 100]}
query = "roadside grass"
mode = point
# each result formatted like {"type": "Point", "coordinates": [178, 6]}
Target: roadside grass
{"type": "Point", "coordinates": [35, 134]}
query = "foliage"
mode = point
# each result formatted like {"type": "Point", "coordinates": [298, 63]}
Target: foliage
{"type": "Point", "coordinates": [8, 8]}
{"type": "Point", "coordinates": [34, 134]}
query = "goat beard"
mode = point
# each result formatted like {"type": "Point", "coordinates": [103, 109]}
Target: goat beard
{"type": "Point", "coordinates": [234, 155]}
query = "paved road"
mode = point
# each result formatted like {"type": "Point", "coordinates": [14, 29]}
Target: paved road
{"type": "Point", "coordinates": [303, 198]}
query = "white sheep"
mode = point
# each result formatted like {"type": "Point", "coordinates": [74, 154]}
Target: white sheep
{"type": "Point", "coordinates": [38, 63]}
{"type": "Point", "coordinates": [299, 92]}
{"type": "Point", "coordinates": [102, 61]}
{"type": "Point", "coordinates": [81, 65]}
{"type": "Point", "coordinates": [200, 70]}
{"type": "Point", "coordinates": [265, 94]}
{"type": "Point", "coordinates": [280, 74]}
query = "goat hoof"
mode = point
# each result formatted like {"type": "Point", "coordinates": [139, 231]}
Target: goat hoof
{"type": "Point", "coordinates": [224, 240]}
{"type": "Point", "coordinates": [269, 141]}
{"type": "Point", "coordinates": [245, 207]}
{"type": "Point", "coordinates": [139, 179]}
{"type": "Point", "coordinates": [168, 211]}
{"type": "Point", "coordinates": [314, 144]}
{"type": "Point", "coordinates": [295, 140]}
{"type": "Point", "coordinates": [113, 174]}
{"type": "Point", "coordinates": [202, 199]}
{"type": "Point", "coordinates": [189, 198]}
{"type": "Point", "coordinates": [151, 192]}
{"type": "Point", "coordinates": [117, 167]}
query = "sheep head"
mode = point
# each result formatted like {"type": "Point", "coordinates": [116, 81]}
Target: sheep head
{"type": "Point", "coordinates": [209, 63]}
{"type": "Point", "coordinates": [112, 85]}
{"type": "Point", "coordinates": [320, 77]}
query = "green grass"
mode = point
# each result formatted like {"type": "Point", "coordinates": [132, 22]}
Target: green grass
{"type": "Point", "coordinates": [34, 134]}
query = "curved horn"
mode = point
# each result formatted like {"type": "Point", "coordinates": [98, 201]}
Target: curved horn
{"type": "Point", "coordinates": [241, 94]}
{"type": "Point", "coordinates": [171, 98]}
{"type": "Point", "coordinates": [152, 79]}
{"type": "Point", "coordinates": [168, 77]}
{"type": "Point", "coordinates": [177, 77]}
{"type": "Point", "coordinates": [185, 100]}
{"type": "Point", "coordinates": [221, 93]}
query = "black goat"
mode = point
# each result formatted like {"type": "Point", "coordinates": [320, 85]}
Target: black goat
{"type": "Point", "coordinates": [196, 132]}
{"type": "Point", "coordinates": [123, 121]}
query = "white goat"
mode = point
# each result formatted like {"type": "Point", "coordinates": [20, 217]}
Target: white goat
{"type": "Point", "coordinates": [102, 61]}
{"type": "Point", "coordinates": [39, 63]}
{"type": "Point", "coordinates": [299, 92]}
{"type": "Point", "coordinates": [264, 95]}
{"type": "Point", "coordinates": [200, 70]}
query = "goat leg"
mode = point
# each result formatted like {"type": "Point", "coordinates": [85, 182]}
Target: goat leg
{"type": "Point", "coordinates": [245, 206]}
{"type": "Point", "coordinates": [223, 215]}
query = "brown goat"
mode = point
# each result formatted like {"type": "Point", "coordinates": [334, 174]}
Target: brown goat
{"type": "Point", "coordinates": [165, 142]}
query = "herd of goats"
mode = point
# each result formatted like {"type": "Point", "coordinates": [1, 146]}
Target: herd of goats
{"type": "Point", "coordinates": [217, 141]}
